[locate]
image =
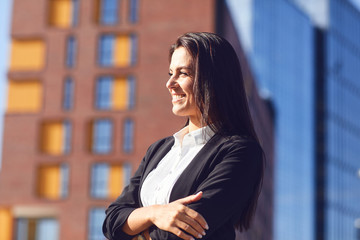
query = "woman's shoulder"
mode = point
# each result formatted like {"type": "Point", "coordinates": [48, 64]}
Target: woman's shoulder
{"type": "Point", "coordinates": [237, 140]}
{"type": "Point", "coordinates": [240, 142]}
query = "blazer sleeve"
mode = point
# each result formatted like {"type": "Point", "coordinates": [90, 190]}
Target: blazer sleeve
{"type": "Point", "coordinates": [234, 175]}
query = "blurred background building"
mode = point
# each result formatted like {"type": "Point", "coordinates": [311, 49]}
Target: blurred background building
{"type": "Point", "coordinates": [86, 96]}
{"type": "Point", "coordinates": [306, 56]}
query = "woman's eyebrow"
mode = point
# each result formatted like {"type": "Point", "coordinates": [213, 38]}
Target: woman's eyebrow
{"type": "Point", "coordinates": [181, 67]}
{"type": "Point", "coordinates": [184, 67]}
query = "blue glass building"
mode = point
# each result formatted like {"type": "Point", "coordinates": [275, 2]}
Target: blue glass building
{"type": "Point", "coordinates": [341, 122]}
{"type": "Point", "coordinates": [312, 75]}
{"type": "Point", "coordinates": [283, 60]}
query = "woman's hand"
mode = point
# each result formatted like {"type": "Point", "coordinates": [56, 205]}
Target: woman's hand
{"type": "Point", "coordinates": [180, 220]}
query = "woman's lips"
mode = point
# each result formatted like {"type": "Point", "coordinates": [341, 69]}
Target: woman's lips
{"type": "Point", "coordinates": [177, 97]}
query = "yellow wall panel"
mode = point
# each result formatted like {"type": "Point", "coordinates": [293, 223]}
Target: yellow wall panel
{"type": "Point", "coordinates": [52, 138]}
{"type": "Point", "coordinates": [27, 55]}
{"type": "Point", "coordinates": [61, 13]}
{"type": "Point", "coordinates": [49, 182]}
{"type": "Point", "coordinates": [120, 93]}
{"type": "Point", "coordinates": [24, 96]}
{"type": "Point", "coordinates": [6, 224]}
{"type": "Point", "coordinates": [116, 181]}
{"type": "Point", "coordinates": [122, 51]}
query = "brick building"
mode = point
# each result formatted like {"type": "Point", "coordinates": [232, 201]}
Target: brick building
{"type": "Point", "coordinates": [86, 97]}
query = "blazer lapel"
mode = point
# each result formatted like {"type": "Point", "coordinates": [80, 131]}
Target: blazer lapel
{"type": "Point", "coordinates": [187, 182]}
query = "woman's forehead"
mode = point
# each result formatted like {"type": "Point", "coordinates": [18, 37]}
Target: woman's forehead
{"type": "Point", "coordinates": [181, 59]}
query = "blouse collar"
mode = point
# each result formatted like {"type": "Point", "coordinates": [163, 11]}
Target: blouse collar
{"type": "Point", "coordinates": [199, 136]}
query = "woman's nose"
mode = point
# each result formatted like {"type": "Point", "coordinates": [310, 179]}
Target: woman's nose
{"type": "Point", "coordinates": [171, 83]}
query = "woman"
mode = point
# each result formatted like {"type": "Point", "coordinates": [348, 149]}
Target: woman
{"type": "Point", "coordinates": [205, 180]}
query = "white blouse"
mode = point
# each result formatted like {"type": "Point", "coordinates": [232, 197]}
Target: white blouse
{"type": "Point", "coordinates": [158, 184]}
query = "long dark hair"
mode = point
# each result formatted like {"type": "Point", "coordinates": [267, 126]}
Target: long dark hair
{"type": "Point", "coordinates": [220, 95]}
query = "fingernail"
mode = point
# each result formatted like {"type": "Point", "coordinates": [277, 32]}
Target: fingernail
{"type": "Point", "coordinates": [203, 233]}
{"type": "Point", "coordinates": [200, 236]}
{"type": "Point", "coordinates": [207, 227]}
{"type": "Point", "coordinates": [192, 238]}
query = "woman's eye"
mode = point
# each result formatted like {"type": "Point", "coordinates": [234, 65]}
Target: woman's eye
{"type": "Point", "coordinates": [170, 74]}
{"type": "Point", "coordinates": [184, 73]}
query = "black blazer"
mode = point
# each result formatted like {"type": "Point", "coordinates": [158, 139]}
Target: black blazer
{"type": "Point", "coordinates": [226, 169]}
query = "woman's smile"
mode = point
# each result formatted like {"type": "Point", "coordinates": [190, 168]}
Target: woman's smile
{"type": "Point", "coordinates": [177, 97]}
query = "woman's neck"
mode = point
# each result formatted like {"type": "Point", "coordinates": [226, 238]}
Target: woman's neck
{"type": "Point", "coordinates": [194, 124]}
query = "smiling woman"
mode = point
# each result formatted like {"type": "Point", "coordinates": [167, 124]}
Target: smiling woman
{"type": "Point", "coordinates": [204, 181]}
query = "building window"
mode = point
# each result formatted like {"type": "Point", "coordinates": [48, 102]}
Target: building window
{"type": "Point", "coordinates": [117, 50]}
{"type": "Point", "coordinates": [70, 52]}
{"type": "Point", "coordinates": [64, 13]}
{"type": "Point", "coordinates": [6, 224]}
{"type": "Point", "coordinates": [56, 137]}
{"type": "Point", "coordinates": [27, 55]}
{"type": "Point", "coordinates": [24, 96]}
{"type": "Point", "coordinates": [107, 181]}
{"type": "Point", "coordinates": [128, 143]}
{"type": "Point", "coordinates": [53, 181]}
{"type": "Point", "coordinates": [134, 11]}
{"type": "Point", "coordinates": [68, 98]}
{"type": "Point", "coordinates": [36, 228]}
{"type": "Point", "coordinates": [107, 12]}
{"type": "Point", "coordinates": [102, 138]}
{"type": "Point", "coordinates": [133, 49]}
{"type": "Point", "coordinates": [96, 219]}
{"type": "Point", "coordinates": [115, 93]}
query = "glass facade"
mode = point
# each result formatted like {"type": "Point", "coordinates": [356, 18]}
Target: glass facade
{"type": "Point", "coordinates": [75, 12]}
{"type": "Point", "coordinates": [104, 92]}
{"type": "Point", "coordinates": [341, 122]}
{"type": "Point", "coordinates": [134, 11]}
{"type": "Point", "coordinates": [128, 145]}
{"type": "Point", "coordinates": [68, 97]}
{"type": "Point", "coordinates": [283, 62]}
{"type": "Point", "coordinates": [115, 93]}
{"type": "Point", "coordinates": [133, 50]}
{"type": "Point", "coordinates": [109, 12]}
{"type": "Point", "coordinates": [117, 50]}
{"type": "Point", "coordinates": [71, 52]}
{"type": "Point", "coordinates": [38, 229]}
{"type": "Point", "coordinates": [108, 180]}
{"type": "Point", "coordinates": [102, 136]}
{"type": "Point", "coordinates": [106, 46]}
{"type": "Point", "coordinates": [96, 219]}
{"type": "Point", "coordinates": [99, 180]}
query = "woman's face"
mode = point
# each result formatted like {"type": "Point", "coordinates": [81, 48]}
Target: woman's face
{"type": "Point", "coordinates": [181, 83]}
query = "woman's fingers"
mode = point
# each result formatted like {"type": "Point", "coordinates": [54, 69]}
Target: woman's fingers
{"type": "Point", "coordinates": [200, 220]}
{"type": "Point", "coordinates": [189, 199]}
{"type": "Point", "coordinates": [180, 233]}
{"type": "Point", "coordinates": [188, 221]}
{"type": "Point", "coordinates": [179, 219]}
{"type": "Point", "coordinates": [190, 226]}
